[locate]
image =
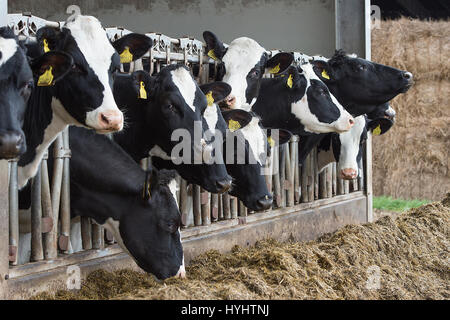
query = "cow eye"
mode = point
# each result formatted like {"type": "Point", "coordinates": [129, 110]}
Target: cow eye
{"type": "Point", "coordinates": [361, 67]}
{"type": "Point", "coordinates": [254, 74]}
{"type": "Point", "coordinates": [173, 108]}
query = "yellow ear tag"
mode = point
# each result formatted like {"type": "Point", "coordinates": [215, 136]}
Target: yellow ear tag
{"type": "Point", "coordinates": [46, 47]}
{"type": "Point", "coordinates": [210, 99]}
{"type": "Point", "coordinates": [377, 131]}
{"type": "Point", "coordinates": [290, 81]}
{"type": "Point", "coordinates": [142, 91]}
{"type": "Point", "coordinates": [126, 56]}
{"type": "Point", "coordinates": [46, 79]}
{"type": "Point", "coordinates": [325, 74]}
{"type": "Point", "coordinates": [212, 55]}
{"type": "Point", "coordinates": [234, 125]}
{"type": "Point", "coordinates": [271, 142]}
{"type": "Point", "coordinates": [275, 69]}
{"type": "Point", "coordinates": [146, 191]}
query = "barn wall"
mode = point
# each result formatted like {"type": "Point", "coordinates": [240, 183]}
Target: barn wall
{"type": "Point", "coordinates": [306, 25]}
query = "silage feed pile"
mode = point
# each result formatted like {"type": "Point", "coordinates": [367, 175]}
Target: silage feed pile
{"type": "Point", "coordinates": [402, 258]}
{"type": "Point", "coordinates": [413, 157]}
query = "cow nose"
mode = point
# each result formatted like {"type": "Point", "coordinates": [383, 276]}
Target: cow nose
{"type": "Point", "coordinates": [181, 273]}
{"type": "Point", "coordinates": [223, 186]}
{"type": "Point", "coordinates": [351, 122]}
{"type": "Point", "coordinates": [408, 76]}
{"type": "Point", "coordinates": [265, 202]}
{"type": "Point", "coordinates": [349, 174]}
{"type": "Point", "coordinates": [111, 120]}
{"type": "Point", "coordinates": [12, 145]}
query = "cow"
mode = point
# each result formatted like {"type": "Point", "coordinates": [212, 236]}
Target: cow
{"type": "Point", "coordinates": [300, 102]}
{"type": "Point", "coordinates": [346, 148]}
{"type": "Point", "coordinates": [359, 84]}
{"type": "Point", "coordinates": [249, 184]}
{"type": "Point", "coordinates": [242, 65]}
{"type": "Point", "coordinates": [139, 208]}
{"type": "Point", "coordinates": [157, 107]}
{"type": "Point", "coordinates": [83, 97]}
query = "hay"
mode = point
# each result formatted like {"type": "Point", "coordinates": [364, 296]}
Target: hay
{"type": "Point", "coordinates": [412, 160]}
{"type": "Point", "coordinates": [411, 252]}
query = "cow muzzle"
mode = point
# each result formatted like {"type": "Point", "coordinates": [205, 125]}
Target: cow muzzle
{"type": "Point", "coordinates": [345, 124]}
{"type": "Point", "coordinates": [349, 174]}
{"type": "Point", "coordinates": [12, 145]}
{"type": "Point", "coordinates": [110, 121]}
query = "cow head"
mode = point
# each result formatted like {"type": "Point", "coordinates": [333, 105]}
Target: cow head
{"type": "Point", "coordinates": [16, 85]}
{"type": "Point", "coordinates": [243, 65]}
{"type": "Point", "coordinates": [307, 99]}
{"type": "Point", "coordinates": [152, 234]}
{"type": "Point", "coordinates": [171, 118]}
{"type": "Point", "coordinates": [348, 147]}
{"type": "Point", "coordinates": [246, 153]}
{"type": "Point", "coordinates": [85, 94]}
{"type": "Point", "coordinates": [361, 85]}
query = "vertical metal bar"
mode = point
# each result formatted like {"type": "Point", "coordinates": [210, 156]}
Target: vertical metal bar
{"type": "Point", "coordinates": [65, 194]}
{"type": "Point", "coordinates": [49, 239]}
{"type": "Point", "coordinates": [86, 234]}
{"type": "Point", "coordinates": [368, 177]}
{"type": "Point", "coordinates": [97, 236]}
{"type": "Point", "coordinates": [296, 172]}
{"type": "Point", "coordinates": [304, 181]}
{"type": "Point", "coordinates": [242, 210]}
{"type": "Point", "coordinates": [58, 167]}
{"type": "Point", "coordinates": [37, 253]}
{"type": "Point", "coordinates": [184, 209]}
{"type": "Point", "coordinates": [334, 178]}
{"type": "Point", "coordinates": [315, 174]}
{"type": "Point", "coordinates": [329, 181]}
{"type": "Point", "coordinates": [214, 207]}
{"type": "Point", "coordinates": [226, 206]}
{"type": "Point", "coordinates": [283, 175]}
{"type": "Point", "coordinates": [322, 185]}
{"type": "Point", "coordinates": [290, 158]}
{"type": "Point", "coordinates": [197, 205]}
{"type": "Point", "coordinates": [13, 214]}
{"type": "Point", "coordinates": [234, 207]}
{"type": "Point", "coordinates": [276, 177]}
{"type": "Point", "coordinates": [205, 208]}
{"type": "Point", "coordinates": [4, 229]}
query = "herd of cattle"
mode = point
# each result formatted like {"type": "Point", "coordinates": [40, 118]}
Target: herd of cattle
{"type": "Point", "coordinates": [71, 77]}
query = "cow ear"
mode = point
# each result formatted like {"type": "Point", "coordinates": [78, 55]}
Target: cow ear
{"type": "Point", "coordinates": [236, 119]}
{"type": "Point", "coordinates": [132, 47]}
{"type": "Point", "coordinates": [380, 126]}
{"type": "Point", "coordinates": [278, 137]}
{"type": "Point", "coordinates": [51, 67]}
{"type": "Point", "coordinates": [279, 62]}
{"type": "Point", "coordinates": [216, 91]}
{"type": "Point", "coordinates": [214, 47]}
{"type": "Point", "coordinates": [48, 39]}
{"type": "Point", "coordinates": [144, 84]}
{"type": "Point", "coordinates": [323, 70]}
{"type": "Point", "coordinates": [151, 180]}
{"type": "Point", "coordinates": [292, 78]}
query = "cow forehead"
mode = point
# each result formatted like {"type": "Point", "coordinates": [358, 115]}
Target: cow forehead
{"type": "Point", "coordinates": [93, 43]}
{"type": "Point", "coordinates": [242, 54]}
{"type": "Point", "coordinates": [309, 73]}
{"type": "Point", "coordinates": [186, 85]}
{"type": "Point", "coordinates": [8, 48]}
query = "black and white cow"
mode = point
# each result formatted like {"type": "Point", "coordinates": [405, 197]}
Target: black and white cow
{"type": "Point", "coordinates": [139, 208]}
{"type": "Point", "coordinates": [359, 84]}
{"type": "Point", "coordinates": [243, 64]}
{"type": "Point", "coordinates": [158, 107]}
{"type": "Point", "coordinates": [347, 148]}
{"type": "Point", "coordinates": [83, 97]}
{"type": "Point", "coordinates": [300, 102]}
{"type": "Point", "coordinates": [249, 184]}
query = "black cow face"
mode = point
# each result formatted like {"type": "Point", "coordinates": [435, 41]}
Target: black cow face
{"type": "Point", "coordinates": [152, 234]}
{"type": "Point", "coordinates": [16, 85]}
{"type": "Point", "coordinates": [16, 82]}
{"type": "Point", "coordinates": [246, 149]}
{"type": "Point", "coordinates": [361, 85]}
{"type": "Point", "coordinates": [86, 95]}
{"type": "Point", "coordinates": [171, 122]}
{"type": "Point", "coordinates": [244, 63]}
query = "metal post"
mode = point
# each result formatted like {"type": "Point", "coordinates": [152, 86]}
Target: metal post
{"type": "Point", "coordinates": [3, 12]}
{"type": "Point", "coordinates": [37, 253]}
{"type": "Point", "coordinates": [13, 214]}
{"type": "Point", "coordinates": [4, 226]}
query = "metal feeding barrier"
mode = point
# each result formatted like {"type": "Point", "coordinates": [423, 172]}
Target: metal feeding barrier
{"type": "Point", "coordinates": [290, 183]}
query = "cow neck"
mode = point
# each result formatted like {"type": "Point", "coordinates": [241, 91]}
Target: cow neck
{"type": "Point", "coordinates": [44, 119]}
